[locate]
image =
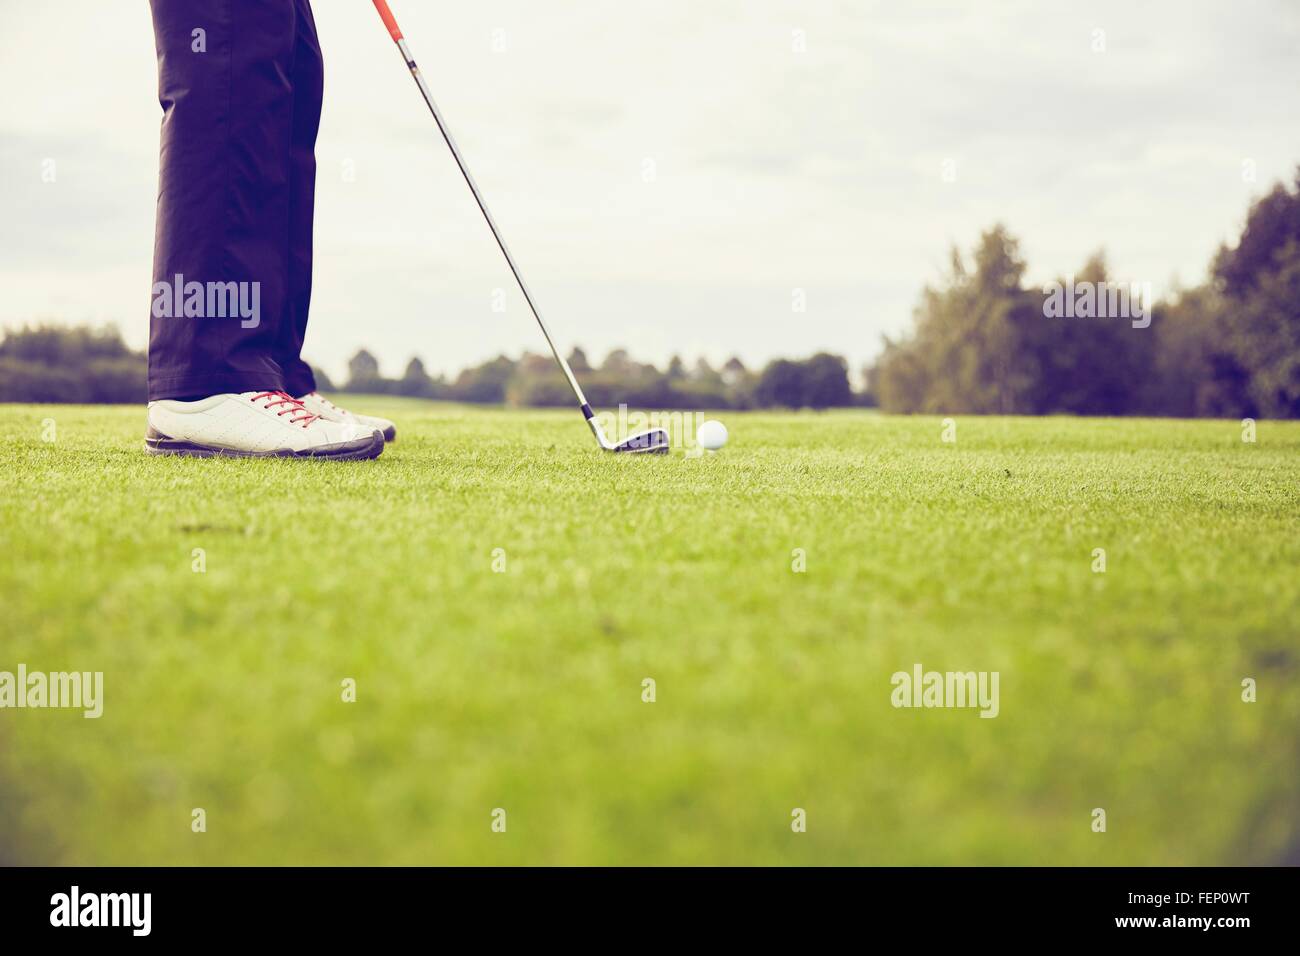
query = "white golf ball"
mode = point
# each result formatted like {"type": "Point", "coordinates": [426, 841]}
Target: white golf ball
{"type": "Point", "coordinates": [712, 435]}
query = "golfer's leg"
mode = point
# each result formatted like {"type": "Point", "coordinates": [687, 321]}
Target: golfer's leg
{"type": "Point", "coordinates": [308, 86]}
{"type": "Point", "coordinates": [224, 196]}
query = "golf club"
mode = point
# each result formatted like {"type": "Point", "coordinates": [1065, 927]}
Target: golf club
{"type": "Point", "coordinates": [652, 441]}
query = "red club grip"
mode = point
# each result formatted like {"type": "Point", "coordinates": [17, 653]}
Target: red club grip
{"type": "Point", "coordinates": [386, 15]}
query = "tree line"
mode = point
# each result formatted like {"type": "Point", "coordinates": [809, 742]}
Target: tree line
{"type": "Point", "coordinates": [54, 363]}
{"type": "Point", "coordinates": [821, 381]}
{"type": "Point", "coordinates": [983, 342]}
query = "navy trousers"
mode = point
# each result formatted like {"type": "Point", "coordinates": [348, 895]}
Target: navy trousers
{"type": "Point", "coordinates": [240, 83]}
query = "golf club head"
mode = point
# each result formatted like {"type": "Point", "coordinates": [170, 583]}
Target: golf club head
{"type": "Point", "coordinates": [651, 442]}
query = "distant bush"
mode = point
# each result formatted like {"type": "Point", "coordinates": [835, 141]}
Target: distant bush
{"type": "Point", "coordinates": [50, 363]}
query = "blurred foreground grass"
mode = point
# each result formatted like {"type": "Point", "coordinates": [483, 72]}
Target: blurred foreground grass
{"type": "Point", "coordinates": [522, 690]}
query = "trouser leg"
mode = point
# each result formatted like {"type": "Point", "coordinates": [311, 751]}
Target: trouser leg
{"type": "Point", "coordinates": [224, 202]}
{"type": "Point", "coordinates": [308, 88]}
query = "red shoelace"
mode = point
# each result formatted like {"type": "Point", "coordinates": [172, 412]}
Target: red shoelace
{"type": "Point", "coordinates": [296, 408]}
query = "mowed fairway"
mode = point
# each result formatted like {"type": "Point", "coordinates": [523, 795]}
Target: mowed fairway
{"type": "Point", "coordinates": [522, 690]}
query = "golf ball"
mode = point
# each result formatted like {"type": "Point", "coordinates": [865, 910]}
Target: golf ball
{"type": "Point", "coordinates": [712, 435]}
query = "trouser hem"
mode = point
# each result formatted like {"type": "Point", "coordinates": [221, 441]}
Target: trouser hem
{"type": "Point", "coordinates": [176, 387]}
{"type": "Point", "coordinates": [299, 384]}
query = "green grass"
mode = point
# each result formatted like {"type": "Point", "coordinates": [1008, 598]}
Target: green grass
{"type": "Point", "coordinates": [522, 690]}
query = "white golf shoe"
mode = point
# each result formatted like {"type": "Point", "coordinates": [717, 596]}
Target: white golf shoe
{"type": "Point", "coordinates": [255, 425]}
{"type": "Point", "coordinates": [318, 404]}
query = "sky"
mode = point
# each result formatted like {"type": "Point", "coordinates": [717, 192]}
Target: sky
{"type": "Point", "coordinates": [677, 177]}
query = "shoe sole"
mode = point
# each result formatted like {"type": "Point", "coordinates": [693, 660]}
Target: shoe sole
{"type": "Point", "coordinates": [390, 433]}
{"type": "Point", "coordinates": [362, 449]}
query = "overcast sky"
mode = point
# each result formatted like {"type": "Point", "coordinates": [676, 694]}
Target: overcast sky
{"type": "Point", "coordinates": [777, 164]}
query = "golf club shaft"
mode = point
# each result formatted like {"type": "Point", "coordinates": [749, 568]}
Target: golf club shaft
{"type": "Point", "coordinates": [395, 32]}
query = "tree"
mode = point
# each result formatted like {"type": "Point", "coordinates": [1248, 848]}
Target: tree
{"type": "Point", "coordinates": [985, 344]}
{"type": "Point", "coordinates": [415, 380]}
{"type": "Point", "coordinates": [781, 383]}
{"type": "Point", "coordinates": [869, 397]}
{"type": "Point", "coordinates": [964, 355]}
{"type": "Point", "coordinates": [1265, 326]}
{"type": "Point", "coordinates": [1272, 223]}
{"type": "Point", "coordinates": [363, 373]}
{"type": "Point", "coordinates": [899, 379]}
{"type": "Point", "coordinates": [1184, 338]}
{"type": "Point", "coordinates": [703, 374]}
{"type": "Point", "coordinates": [1084, 366]}
{"type": "Point", "coordinates": [1260, 281]}
{"type": "Point", "coordinates": [826, 382]}
{"type": "Point", "coordinates": [617, 363]}
{"type": "Point", "coordinates": [537, 381]}
{"type": "Point", "coordinates": [486, 383]}
{"type": "Point", "coordinates": [323, 381]}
